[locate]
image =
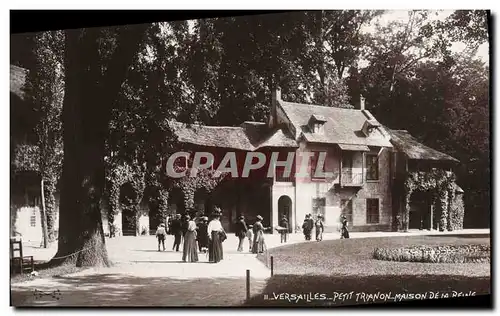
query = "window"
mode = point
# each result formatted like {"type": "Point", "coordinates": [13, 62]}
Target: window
{"type": "Point", "coordinates": [347, 160]}
{"type": "Point", "coordinates": [318, 207]}
{"type": "Point", "coordinates": [33, 218]}
{"type": "Point", "coordinates": [372, 211]}
{"type": "Point", "coordinates": [371, 167]}
{"type": "Point", "coordinates": [346, 209]}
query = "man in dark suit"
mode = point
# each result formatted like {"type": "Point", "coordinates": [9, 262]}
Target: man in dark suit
{"type": "Point", "coordinates": [241, 231]}
{"type": "Point", "coordinates": [176, 230]}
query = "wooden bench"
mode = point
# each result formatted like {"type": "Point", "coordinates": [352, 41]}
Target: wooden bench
{"type": "Point", "coordinates": [17, 259]}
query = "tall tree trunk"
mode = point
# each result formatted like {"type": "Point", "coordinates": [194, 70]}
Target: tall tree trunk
{"type": "Point", "coordinates": [88, 101]}
{"type": "Point", "coordinates": [50, 201]}
{"type": "Point", "coordinates": [44, 217]}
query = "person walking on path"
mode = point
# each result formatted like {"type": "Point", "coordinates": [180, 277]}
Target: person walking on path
{"type": "Point", "coordinates": [250, 237]}
{"type": "Point", "coordinates": [241, 232]}
{"type": "Point", "coordinates": [344, 233]}
{"type": "Point", "coordinates": [307, 228]}
{"type": "Point", "coordinates": [216, 235]}
{"type": "Point", "coordinates": [176, 231]}
{"type": "Point", "coordinates": [161, 234]}
{"type": "Point", "coordinates": [283, 229]}
{"type": "Point", "coordinates": [190, 251]}
{"type": "Point", "coordinates": [202, 235]}
{"type": "Point", "coordinates": [319, 228]}
{"type": "Point", "coordinates": [259, 243]}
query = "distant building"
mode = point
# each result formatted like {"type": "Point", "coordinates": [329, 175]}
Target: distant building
{"type": "Point", "coordinates": [368, 161]}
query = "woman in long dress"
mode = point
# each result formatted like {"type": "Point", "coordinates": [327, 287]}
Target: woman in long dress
{"type": "Point", "coordinates": [203, 235]}
{"type": "Point", "coordinates": [258, 236]}
{"type": "Point", "coordinates": [344, 231]}
{"type": "Point", "coordinates": [214, 232]}
{"type": "Point", "coordinates": [190, 251]}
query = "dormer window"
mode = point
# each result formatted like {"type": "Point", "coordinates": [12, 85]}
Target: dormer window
{"type": "Point", "coordinates": [317, 124]}
{"type": "Point", "coordinates": [370, 126]}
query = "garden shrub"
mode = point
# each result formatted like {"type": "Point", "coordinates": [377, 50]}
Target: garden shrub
{"type": "Point", "coordinates": [436, 254]}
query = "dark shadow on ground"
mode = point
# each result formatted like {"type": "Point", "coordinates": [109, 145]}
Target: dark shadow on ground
{"type": "Point", "coordinates": [167, 262]}
{"type": "Point", "coordinates": [334, 286]}
{"type": "Point", "coordinates": [122, 290]}
{"type": "Point", "coordinates": [462, 236]}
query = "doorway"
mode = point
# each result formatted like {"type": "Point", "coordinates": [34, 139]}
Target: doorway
{"type": "Point", "coordinates": [285, 209]}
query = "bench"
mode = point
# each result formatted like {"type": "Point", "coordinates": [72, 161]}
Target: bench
{"type": "Point", "coordinates": [17, 259]}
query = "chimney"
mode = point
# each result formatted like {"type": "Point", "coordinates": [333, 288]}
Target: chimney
{"type": "Point", "coordinates": [277, 94]}
{"type": "Point", "coordinates": [361, 102]}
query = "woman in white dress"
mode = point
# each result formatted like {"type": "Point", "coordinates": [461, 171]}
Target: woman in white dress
{"type": "Point", "coordinates": [215, 232]}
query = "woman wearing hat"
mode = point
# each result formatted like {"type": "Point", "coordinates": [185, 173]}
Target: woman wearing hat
{"type": "Point", "coordinates": [344, 232]}
{"type": "Point", "coordinates": [215, 234]}
{"type": "Point", "coordinates": [190, 251]}
{"type": "Point", "coordinates": [202, 235]}
{"type": "Point", "coordinates": [161, 234]}
{"type": "Point", "coordinates": [259, 244]}
{"type": "Point", "coordinates": [319, 228]}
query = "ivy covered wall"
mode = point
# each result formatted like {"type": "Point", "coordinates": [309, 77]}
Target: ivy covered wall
{"type": "Point", "coordinates": [440, 184]}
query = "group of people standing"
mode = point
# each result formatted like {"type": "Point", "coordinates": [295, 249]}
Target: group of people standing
{"type": "Point", "coordinates": [254, 233]}
{"type": "Point", "coordinates": [202, 237]}
{"type": "Point", "coordinates": [310, 224]}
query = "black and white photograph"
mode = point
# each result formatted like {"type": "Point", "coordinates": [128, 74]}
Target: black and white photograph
{"type": "Point", "coordinates": [320, 158]}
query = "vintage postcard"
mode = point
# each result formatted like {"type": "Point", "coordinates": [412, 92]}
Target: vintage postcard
{"type": "Point", "coordinates": [297, 158]}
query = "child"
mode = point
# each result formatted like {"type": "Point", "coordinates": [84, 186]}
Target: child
{"type": "Point", "coordinates": [161, 234]}
{"type": "Point", "coordinates": [250, 237]}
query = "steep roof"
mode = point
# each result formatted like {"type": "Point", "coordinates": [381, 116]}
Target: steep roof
{"type": "Point", "coordinates": [343, 126]}
{"type": "Point", "coordinates": [249, 136]}
{"type": "Point", "coordinates": [413, 149]}
{"type": "Point", "coordinates": [17, 80]}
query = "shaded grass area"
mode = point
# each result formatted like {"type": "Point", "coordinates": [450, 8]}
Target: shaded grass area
{"type": "Point", "coordinates": [45, 269]}
{"type": "Point", "coordinates": [128, 291]}
{"type": "Point", "coordinates": [351, 290]}
{"type": "Point", "coordinates": [348, 266]}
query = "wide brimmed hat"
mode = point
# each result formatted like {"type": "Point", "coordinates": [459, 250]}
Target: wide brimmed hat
{"type": "Point", "coordinates": [259, 217]}
{"type": "Point", "coordinates": [217, 212]}
{"type": "Point", "coordinates": [204, 218]}
{"type": "Point", "coordinates": [242, 217]}
{"type": "Point", "coordinates": [162, 225]}
{"type": "Point", "coordinates": [320, 216]}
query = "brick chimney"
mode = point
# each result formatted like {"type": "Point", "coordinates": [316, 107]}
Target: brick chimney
{"type": "Point", "coordinates": [361, 102]}
{"type": "Point", "coordinates": [277, 94]}
{"type": "Point", "coordinates": [276, 97]}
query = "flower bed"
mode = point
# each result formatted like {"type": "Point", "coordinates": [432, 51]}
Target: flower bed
{"type": "Point", "coordinates": [436, 254]}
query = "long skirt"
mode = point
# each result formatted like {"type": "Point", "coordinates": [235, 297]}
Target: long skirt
{"type": "Point", "coordinates": [344, 233]}
{"type": "Point", "coordinates": [215, 252]}
{"type": "Point", "coordinates": [258, 243]}
{"type": "Point", "coordinates": [190, 251]}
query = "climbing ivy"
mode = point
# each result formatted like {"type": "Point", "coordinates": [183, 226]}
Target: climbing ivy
{"type": "Point", "coordinates": [205, 179]}
{"type": "Point", "coordinates": [119, 175]}
{"type": "Point", "coordinates": [440, 183]}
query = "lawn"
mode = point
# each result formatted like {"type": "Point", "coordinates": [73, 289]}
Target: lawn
{"type": "Point", "coordinates": [345, 266]}
{"type": "Point", "coordinates": [44, 270]}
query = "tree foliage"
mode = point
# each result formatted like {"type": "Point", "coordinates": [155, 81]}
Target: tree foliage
{"type": "Point", "coordinates": [123, 84]}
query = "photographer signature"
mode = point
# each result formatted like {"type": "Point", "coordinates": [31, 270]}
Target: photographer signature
{"type": "Point", "coordinates": [53, 294]}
